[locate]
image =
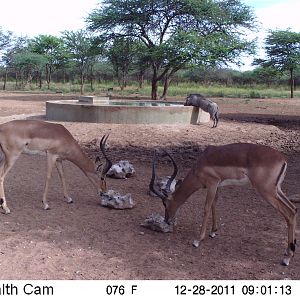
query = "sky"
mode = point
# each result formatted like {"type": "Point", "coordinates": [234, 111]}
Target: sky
{"type": "Point", "coordinates": [272, 15]}
{"type": "Point", "coordinates": [277, 14]}
{"type": "Point", "coordinates": [33, 17]}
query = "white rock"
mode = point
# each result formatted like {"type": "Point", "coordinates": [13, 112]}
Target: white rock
{"type": "Point", "coordinates": [156, 222]}
{"type": "Point", "coordinates": [121, 170]}
{"type": "Point", "coordinates": [113, 199]}
{"type": "Point", "coordinates": [160, 184]}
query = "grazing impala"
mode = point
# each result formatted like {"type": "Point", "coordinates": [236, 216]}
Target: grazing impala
{"type": "Point", "coordinates": [39, 137]}
{"type": "Point", "coordinates": [234, 164]}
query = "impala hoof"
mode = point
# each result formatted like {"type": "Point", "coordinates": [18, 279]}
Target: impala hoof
{"type": "Point", "coordinates": [6, 211]}
{"type": "Point", "coordinates": [286, 261]}
{"type": "Point", "coordinates": [69, 199]}
{"type": "Point", "coordinates": [46, 207]}
{"type": "Point", "coordinates": [196, 243]}
{"type": "Point", "coordinates": [212, 234]}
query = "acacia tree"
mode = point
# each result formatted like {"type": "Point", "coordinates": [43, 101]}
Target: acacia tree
{"type": "Point", "coordinates": [6, 39]}
{"type": "Point", "coordinates": [26, 64]}
{"type": "Point", "coordinates": [283, 53]}
{"type": "Point", "coordinates": [121, 54]}
{"type": "Point", "coordinates": [82, 50]}
{"type": "Point", "coordinates": [141, 62]}
{"type": "Point", "coordinates": [52, 48]}
{"type": "Point", "coordinates": [15, 45]}
{"type": "Point", "coordinates": [177, 32]}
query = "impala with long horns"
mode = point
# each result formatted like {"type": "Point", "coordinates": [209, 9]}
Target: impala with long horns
{"type": "Point", "coordinates": [39, 137]}
{"type": "Point", "coordinates": [233, 164]}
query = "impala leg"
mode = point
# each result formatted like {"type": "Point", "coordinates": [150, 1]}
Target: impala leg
{"type": "Point", "coordinates": [2, 197]}
{"type": "Point", "coordinates": [51, 159]}
{"type": "Point", "coordinates": [210, 198]}
{"type": "Point", "coordinates": [291, 240]}
{"type": "Point", "coordinates": [292, 230]}
{"type": "Point", "coordinates": [214, 228]}
{"type": "Point", "coordinates": [280, 202]}
{"type": "Point", "coordinates": [59, 167]}
{"type": "Point", "coordinates": [5, 165]}
{"type": "Point", "coordinates": [290, 217]}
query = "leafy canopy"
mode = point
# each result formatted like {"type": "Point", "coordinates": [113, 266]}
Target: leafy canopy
{"type": "Point", "coordinates": [176, 33]}
{"type": "Point", "coordinates": [188, 29]}
{"type": "Point", "coordinates": [283, 49]}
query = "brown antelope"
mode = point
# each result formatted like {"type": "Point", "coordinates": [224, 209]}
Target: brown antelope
{"type": "Point", "coordinates": [54, 140]}
{"type": "Point", "coordinates": [233, 164]}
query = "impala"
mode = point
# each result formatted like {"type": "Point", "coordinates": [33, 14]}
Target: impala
{"type": "Point", "coordinates": [54, 140]}
{"type": "Point", "coordinates": [233, 164]}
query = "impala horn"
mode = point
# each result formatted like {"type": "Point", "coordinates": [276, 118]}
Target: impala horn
{"type": "Point", "coordinates": [108, 162]}
{"type": "Point", "coordinates": [164, 193]}
{"type": "Point", "coordinates": [168, 185]}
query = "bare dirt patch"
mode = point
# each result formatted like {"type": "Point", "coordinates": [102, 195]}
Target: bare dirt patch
{"type": "Point", "coordinates": [84, 240]}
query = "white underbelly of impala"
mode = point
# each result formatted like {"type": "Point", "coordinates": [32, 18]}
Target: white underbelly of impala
{"type": "Point", "coordinates": [33, 152]}
{"type": "Point", "coordinates": [241, 181]}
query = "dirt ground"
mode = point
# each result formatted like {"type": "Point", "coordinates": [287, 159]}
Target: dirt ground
{"type": "Point", "coordinates": [84, 240]}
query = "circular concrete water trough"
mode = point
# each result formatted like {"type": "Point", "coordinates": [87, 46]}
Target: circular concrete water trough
{"type": "Point", "coordinates": [124, 112]}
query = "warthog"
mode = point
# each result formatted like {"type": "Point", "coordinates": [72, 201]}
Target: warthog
{"type": "Point", "coordinates": [207, 105]}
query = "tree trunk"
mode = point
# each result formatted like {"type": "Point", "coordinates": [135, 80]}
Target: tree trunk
{"type": "Point", "coordinates": [22, 79]}
{"type": "Point", "coordinates": [47, 76]}
{"type": "Point", "coordinates": [141, 79]}
{"type": "Point", "coordinates": [16, 79]}
{"type": "Point", "coordinates": [40, 80]}
{"type": "Point", "coordinates": [50, 77]}
{"type": "Point", "coordinates": [154, 87]}
{"type": "Point", "coordinates": [166, 87]}
{"type": "Point", "coordinates": [167, 81]}
{"type": "Point", "coordinates": [292, 83]}
{"type": "Point", "coordinates": [92, 83]}
{"type": "Point", "coordinates": [123, 80]}
{"type": "Point", "coordinates": [5, 79]}
{"type": "Point", "coordinates": [29, 79]}
{"type": "Point", "coordinates": [92, 79]}
{"type": "Point", "coordinates": [81, 84]}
